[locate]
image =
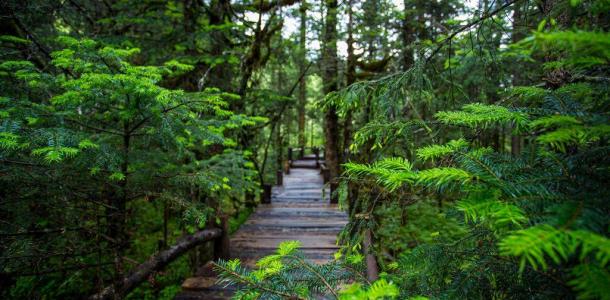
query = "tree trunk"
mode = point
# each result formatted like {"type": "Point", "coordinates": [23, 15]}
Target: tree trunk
{"type": "Point", "coordinates": [517, 35]}
{"type": "Point", "coordinates": [372, 270]}
{"type": "Point", "coordinates": [408, 35]}
{"type": "Point", "coordinates": [329, 76]}
{"type": "Point", "coordinates": [302, 82]}
{"type": "Point", "coordinates": [220, 75]}
{"type": "Point", "coordinates": [350, 78]}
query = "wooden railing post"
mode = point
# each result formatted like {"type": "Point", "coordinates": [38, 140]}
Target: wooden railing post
{"type": "Point", "coordinates": [289, 155]}
{"type": "Point", "coordinates": [279, 177]}
{"type": "Point", "coordinates": [222, 244]}
{"type": "Point", "coordinates": [302, 152]}
{"type": "Point", "coordinates": [266, 197]}
{"type": "Point", "coordinates": [325, 173]}
{"type": "Point", "coordinates": [316, 152]}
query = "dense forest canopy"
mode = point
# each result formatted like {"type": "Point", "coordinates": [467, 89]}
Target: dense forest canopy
{"type": "Point", "coordinates": [468, 141]}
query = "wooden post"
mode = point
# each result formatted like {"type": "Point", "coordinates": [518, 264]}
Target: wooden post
{"type": "Point", "coordinates": [222, 244]}
{"type": "Point", "coordinates": [302, 152]}
{"type": "Point", "coordinates": [325, 173]}
{"type": "Point", "coordinates": [372, 271]}
{"type": "Point", "coordinates": [334, 185]}
{"type": "Point", "coordinates": [316, 152]}
{"type": "Point", "coordinates": [266, 197]}
{"type": "Point", "coordinates": [290, 154]}
{"type": "Point", "coordinates": [250, 199]}
{"type": "Point", "coordinates": [279, 177]}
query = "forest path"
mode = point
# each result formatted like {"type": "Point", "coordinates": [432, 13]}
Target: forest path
{"type": "Point", "coordinates": [299, 210]}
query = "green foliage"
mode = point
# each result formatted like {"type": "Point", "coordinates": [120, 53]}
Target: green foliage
{"type": "Point", "coordinates": [486, 208]}
{"type": "Point", "coordinates": [382, 134]}
{"type": "Point", "coordinates": [287, 274]}
{"type": "Point", "coordinates": [433, 152]}
{"type": "Point", "coordinates": [533, 218]}
{"type": "Point", "coordinates": [281, 275]}
{"type": "Point", "coordinates": [585, 49]}
{"type": "Point", "coordinates": [101, 133]}
{"type": "Point", "coordinates": [389, 172]}
{"type": "Point", "coordinates": [534, 244]}
{"type": "Point", "coordinates": [591, 281]}
{"type": "Point", "coordinates": [401, 226]}
{"type": "Point", "coordinates": [101, 140]}
{"type": "Point", "coordinates": [441, 178]}
{"type": "Point", "coordinates": [379, 289]}
{"type": "Point", "coordinates": [478, 115]}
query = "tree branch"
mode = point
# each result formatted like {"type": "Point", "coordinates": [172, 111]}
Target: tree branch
{"type": "Point", "coordinates": [263, 6]}
{"type": "Point", "coordinates": [467, 26]}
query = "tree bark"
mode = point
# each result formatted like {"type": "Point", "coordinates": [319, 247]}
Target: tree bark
{"type": "Point", "coordinates": [302, 83]}
{"type": "Point", "coordinates": [408, 35]}
{"type": "Point", "coordinates": [372, 270]}
{"type": "Point", "coordinates": [350, 78]}
{"type": "Point", "coordinates": [517, 35]}
{"type": "Point", "coordinates": [329, 76]}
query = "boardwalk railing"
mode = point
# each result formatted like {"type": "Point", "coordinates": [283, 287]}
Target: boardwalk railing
{"type": "Point", "coordinates": [220, 237]}
{"type": "Point", "coordinates": [300, 152]}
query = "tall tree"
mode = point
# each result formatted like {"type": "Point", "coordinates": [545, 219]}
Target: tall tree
{"type": "Point", "coordinates": [408, 34]}
{"type": "Point", "coordinates": [302, 61]}
{"type": "Point", "coordinates": [517, 35]}
{"type": "Point", "coordinates": [329, 76]}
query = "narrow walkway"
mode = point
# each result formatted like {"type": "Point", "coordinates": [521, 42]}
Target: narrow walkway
{"type": "Point", "coordinates": [299, 210]}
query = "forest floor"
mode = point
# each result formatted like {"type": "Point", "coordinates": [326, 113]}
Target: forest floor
{"type": "Point", "coordinates": [300, 210]}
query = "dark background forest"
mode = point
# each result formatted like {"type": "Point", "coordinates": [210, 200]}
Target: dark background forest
{"type": "Point", "coordinates": [466, 140]}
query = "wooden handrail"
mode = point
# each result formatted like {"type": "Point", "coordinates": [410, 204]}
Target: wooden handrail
{"type": "Point", "coordinates": [158, 261]}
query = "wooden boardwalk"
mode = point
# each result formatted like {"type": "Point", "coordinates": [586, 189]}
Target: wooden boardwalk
{"type": "Point", "coordinates": [299, 210]}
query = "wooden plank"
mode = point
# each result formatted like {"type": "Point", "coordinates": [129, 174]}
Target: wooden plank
{"type": "Point", "coordinates": [272, 243]}
{"type": "Point", "coordinates": [199, 283]}
{"type": "Point", "coordinates": [299, 210]}
{"type": "Point", "coordinates": [290, 209]}
{"type": "Point", "coordinates": [285, 235]}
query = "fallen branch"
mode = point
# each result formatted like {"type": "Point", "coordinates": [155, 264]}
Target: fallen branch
{"type": "Point", "coordinates": [157, 262]}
